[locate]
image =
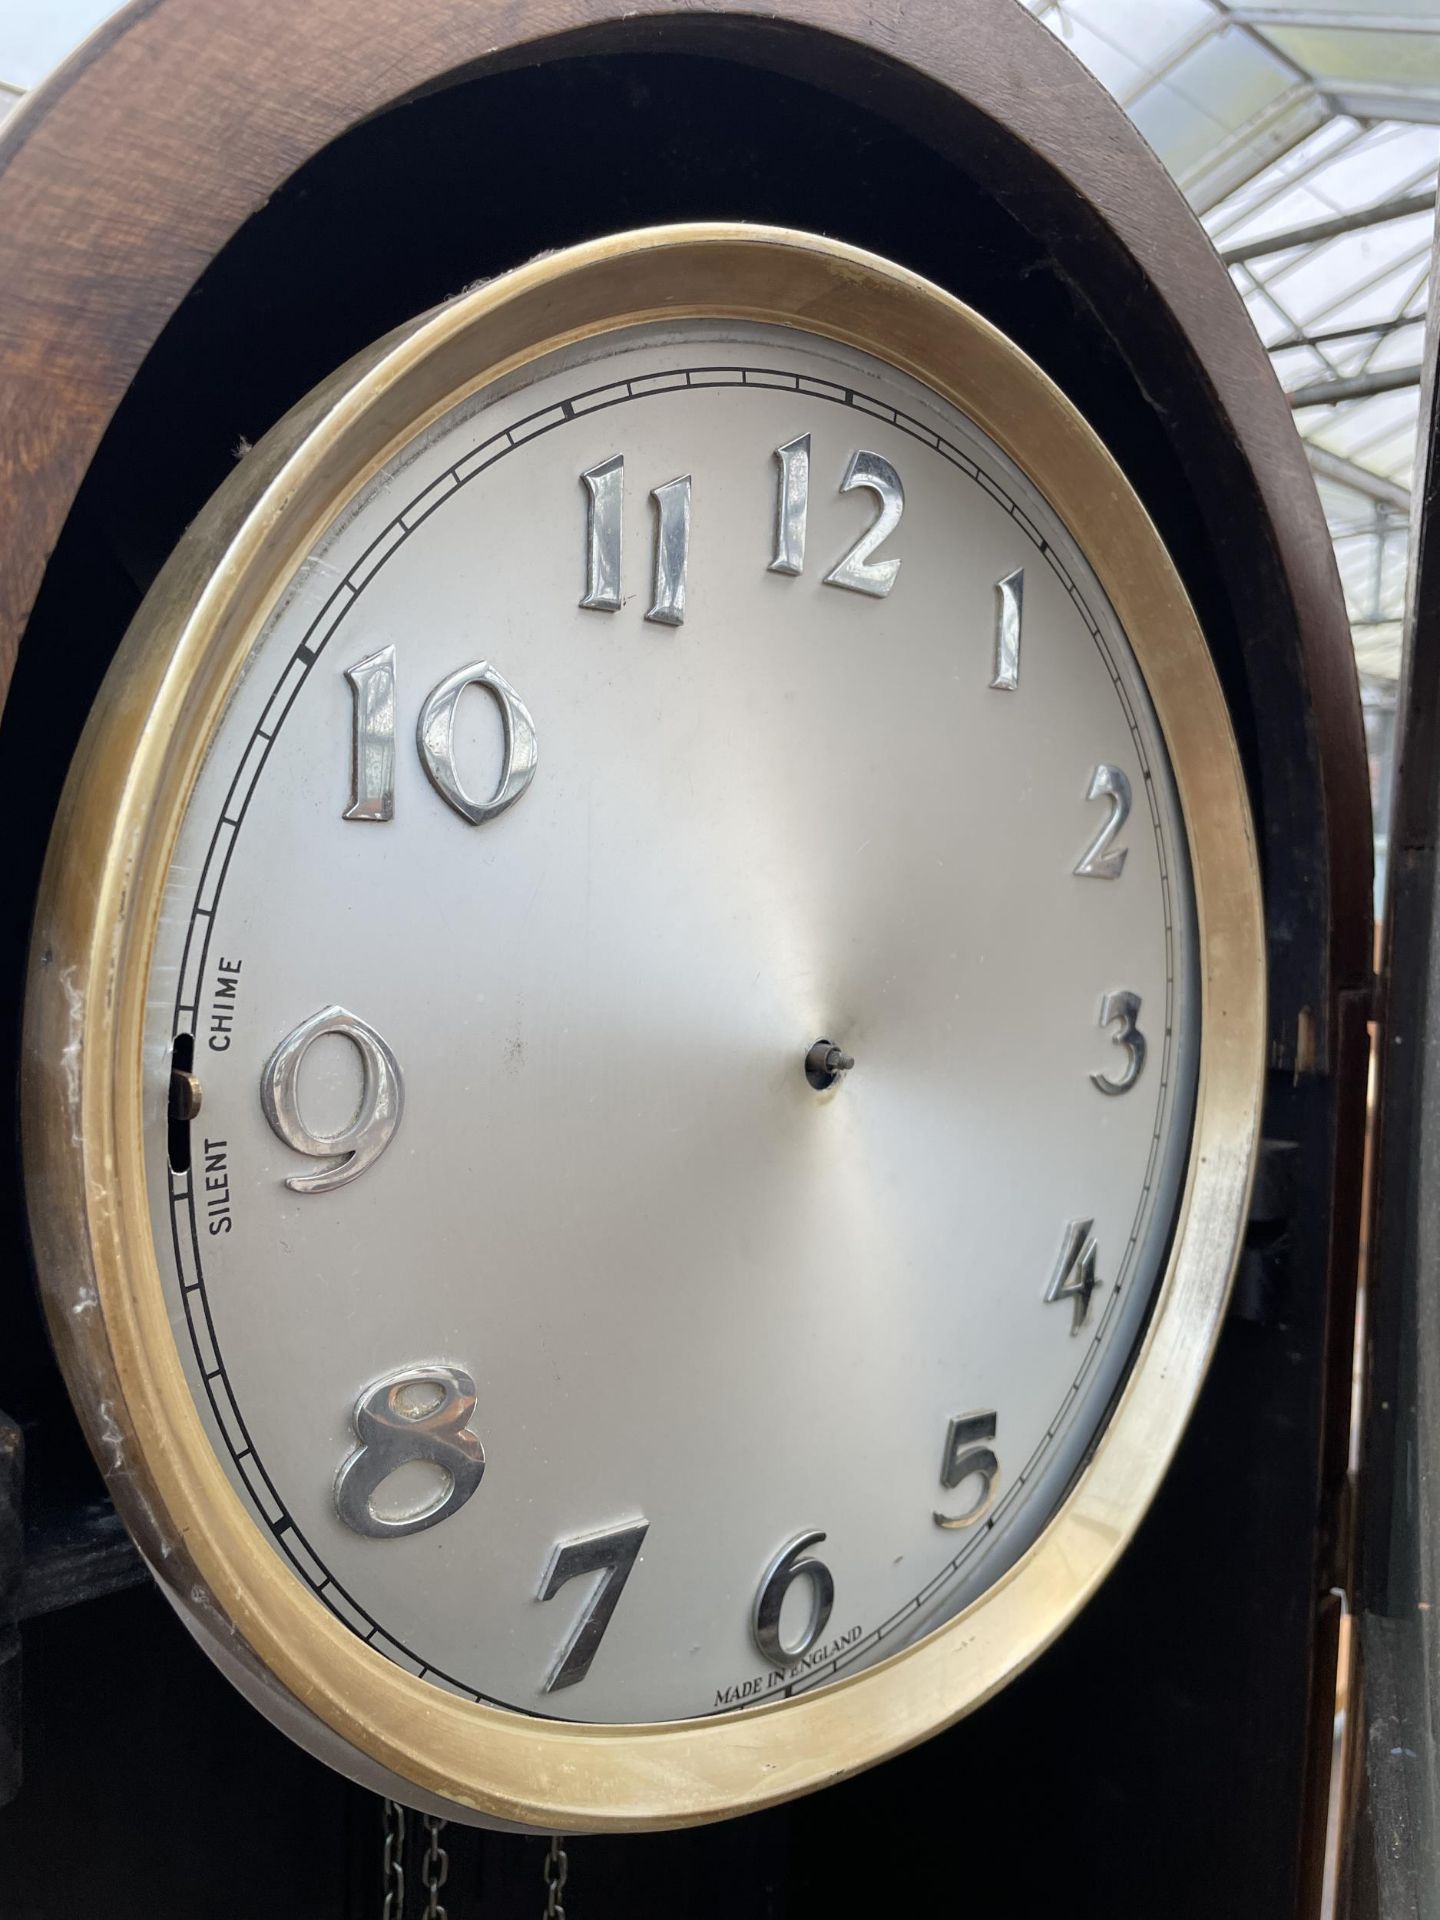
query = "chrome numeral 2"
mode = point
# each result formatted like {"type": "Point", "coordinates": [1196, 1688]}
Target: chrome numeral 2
{"type": "Point", "coordinates": [1124, 1007]}
{"type": "Point", "coordinates": [857, 571]}
{"type": "Point", "coordinates": [1099, 862]}
{"type": "Point", "coordinates": [1074, 1278]}
{"type": "Point", "coordinates": [615, 1551]}
{"type": "Point", "coordinates": [422, 1414]}
{"type": "Point", "coordinates": [382, 1101]}
{"type": "Point", "coordinates": [964, 1460]}
{"type": "Point", "coordinates": [788, 1566]}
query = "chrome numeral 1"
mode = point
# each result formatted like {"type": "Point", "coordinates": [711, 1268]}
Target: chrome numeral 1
{"type": "Point", "coordinates": [788, 1566]}
{"type": "Point", "coordinates": [435, 738]}
{"type": "Point", "coordinates": [372, 763]}
{"type": "Point", "coordinates": [857, 570]}
{"type": "Point", "coordinates": [1099, 862]}
{"type": "Point", "coordinates": [382, 1100]}
{"type": "Point", "coordinates": [615, 1551]}
{"type": "Point", "coordinates": [420, 1415]}
{"type": "Point", "coordinates": [964, 1460]}
{"type": "Point", "coordinates": [1074, 1278]}
{"type": "Point", "coordinates": [1009, 609]}
{"type": "Point", "coordinates": [792, 505]}
{"type": "Point", "coordinates": [604, 518]}
{"type": "Point", "coordinates": [672, 551]}
{"type": "Point", "coordinates": [1124, 1007]}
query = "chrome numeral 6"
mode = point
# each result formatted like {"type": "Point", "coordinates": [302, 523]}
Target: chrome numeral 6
{"type": "Point", "coordinates": [382, 1101]}
{"type": "Point", "coordinates": [1125, 1008]}
{"type": "Point", "coordinates": [787, 1567]}
{"type": "Point", "coordinates": [614, 1551]}
{"type": "Point", "coordinates": [419, 1415]}
{"type": "Point", "coordinates": [964, 1460]}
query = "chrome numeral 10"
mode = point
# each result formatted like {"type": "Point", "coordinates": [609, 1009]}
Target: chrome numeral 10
{"type": "Point", "coordinates": [372, 762]}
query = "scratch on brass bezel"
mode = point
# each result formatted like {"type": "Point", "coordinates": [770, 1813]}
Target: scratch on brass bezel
{"type": "Point", "coordinates": [100, 902]}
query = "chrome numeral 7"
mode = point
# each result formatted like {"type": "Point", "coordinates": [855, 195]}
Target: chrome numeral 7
{"type": "Point", "coordinates": [613, 1551]}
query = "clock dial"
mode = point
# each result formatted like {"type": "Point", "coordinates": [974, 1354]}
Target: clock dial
{"type": "Point", "coordinates": [684, 948]}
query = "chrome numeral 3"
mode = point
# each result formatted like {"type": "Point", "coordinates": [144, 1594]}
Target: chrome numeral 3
{"type": "Point", "coordinates": [1125, 1008]}
{"type": "Point", "coordinates": [382, 1101]}
{"type": "Point", "coordinates": [791, 1564]}
{"type": "Point", "coordinates": [614, 1552]}
{"type": "Point", "coordinates": [964, 1460]}
{"type": "Point", "coordinates": [1101, 860]}
{"type": "Point", "coordinates": [422, 1414]}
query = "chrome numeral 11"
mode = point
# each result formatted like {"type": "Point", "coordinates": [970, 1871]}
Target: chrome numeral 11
{"type": "Point", "coordinates": [604, 525]}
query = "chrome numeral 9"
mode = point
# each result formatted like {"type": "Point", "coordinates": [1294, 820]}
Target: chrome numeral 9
{"type": "Point", "coordinates": [964, 1460]}
{"type": "Point", "coordinates": [372, 777]}
{"type": "Point", "coordinates": [614, 1552]}
{"type": "Point", "coordinates": [790, 1565]}
{"type": "Point", "coordinates": [382, 1101]}
{"type": "Point", "coordinates": [418, 1417]}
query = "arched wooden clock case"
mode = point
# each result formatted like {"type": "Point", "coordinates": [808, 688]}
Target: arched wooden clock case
{"type": "Point", "coordinates": [206, 211]}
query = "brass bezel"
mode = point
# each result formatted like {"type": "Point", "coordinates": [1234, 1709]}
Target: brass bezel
{"type": "Point", "coordinates": [100, 902]}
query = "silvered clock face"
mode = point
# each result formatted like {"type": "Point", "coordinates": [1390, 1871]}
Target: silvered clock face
{"type": "Point", "coordinates": [702, 708]}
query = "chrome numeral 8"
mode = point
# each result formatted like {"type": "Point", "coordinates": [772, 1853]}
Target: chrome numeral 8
{"type": "Point", "coordinates": [786, 1568]}
{"type": "Point", "coordinates": [382, 1101]}
{"type": "Point", "coordinates": [418, 1417]}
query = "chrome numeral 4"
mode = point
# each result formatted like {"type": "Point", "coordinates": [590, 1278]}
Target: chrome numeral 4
{"type": "Point", "coordinates": [1074, 1278]}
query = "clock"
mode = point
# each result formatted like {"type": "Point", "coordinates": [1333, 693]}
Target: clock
{"type": "Point", "coordinates": [645, 1036]}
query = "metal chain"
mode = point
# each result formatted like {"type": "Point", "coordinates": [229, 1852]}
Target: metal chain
{"type": "Point", "coordinates": [393, 1870]}
{"type": "Point", "coordinates": [557, 1871]}
{"type": "Point", "coordinates": [435, 1868]}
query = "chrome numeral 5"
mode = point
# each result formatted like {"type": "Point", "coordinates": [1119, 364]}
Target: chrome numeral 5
{"type": "Point", "coordinates": [382, 1101]}
{"type": "Point", "coordinates": [420, 1415]}
{"type": "Point", "coordinates": [964, 1460]}
{"type": "Point", "coordinates": [615, 1551]}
